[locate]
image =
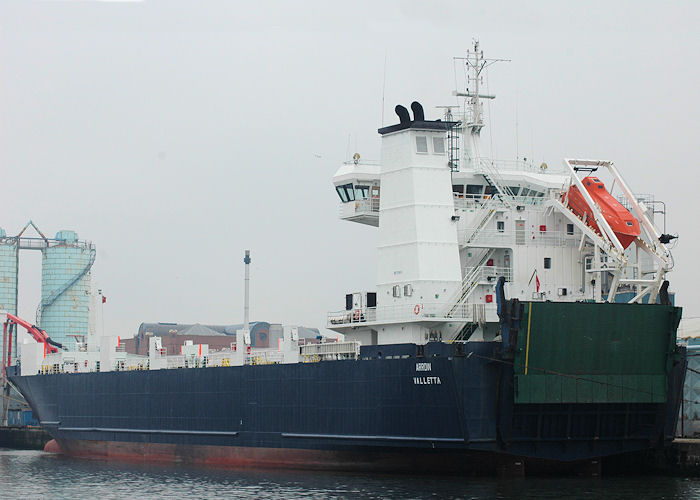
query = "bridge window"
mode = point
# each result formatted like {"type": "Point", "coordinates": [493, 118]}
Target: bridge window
{"type": "Point", "coordinates": [514, 190]}
{"type": "Point", "coordinates": [362, 192]}
{"type": "Point", "coordinates": [524, 192]}
{"type": "Point", "coordinates": [438, 145]}
{"type": "Point", "coordinates": [421, 144]}
{"type": "Point", "coordinates": [346, 193]}
{"type": "Point", "coordinates": [341, 192]}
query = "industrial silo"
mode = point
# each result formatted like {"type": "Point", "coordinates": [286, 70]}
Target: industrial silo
{"type": "Point", "coordinates": [8, 280]}
{"type": "Point", "coordinates": [65, 288]}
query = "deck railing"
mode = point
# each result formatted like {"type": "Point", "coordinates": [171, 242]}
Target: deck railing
{"type": "Point", "coordinates": [364, 207]}
{"type": "Point", "coordinates": [406, 312]}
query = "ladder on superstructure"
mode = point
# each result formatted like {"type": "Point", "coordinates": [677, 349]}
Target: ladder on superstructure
{"type": "Point", "coordinates": [452, 141]}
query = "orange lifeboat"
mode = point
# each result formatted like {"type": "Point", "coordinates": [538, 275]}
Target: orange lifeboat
{"type": "Point", "coordinates": [621, 221]}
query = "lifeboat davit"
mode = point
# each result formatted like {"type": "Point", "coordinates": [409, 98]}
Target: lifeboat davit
{"type": "Point", "coordinates": [621, 221]}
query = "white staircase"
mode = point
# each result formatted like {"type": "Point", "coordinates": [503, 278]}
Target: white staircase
{"type": "Point", "coordinates": [484, 216]}
{"type": "Point", "coordinates": [469, 284]}
{"type": "Point", "coordinates": [486, 168]}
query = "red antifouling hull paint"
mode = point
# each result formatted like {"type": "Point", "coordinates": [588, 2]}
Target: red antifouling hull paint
{"type": "Point", "coordinates": [267, 458]}
{"type": "Point", "coordinates": [408, 461]}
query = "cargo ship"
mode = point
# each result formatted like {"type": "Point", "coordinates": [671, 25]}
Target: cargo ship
{"type": "Point", "coordinates": [520, 316]}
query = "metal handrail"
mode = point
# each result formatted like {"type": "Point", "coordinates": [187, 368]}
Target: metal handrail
{"type": "Point", "coordinates": [404, 312]}
{"type": "Point", "coordinates": [359, 207]}
{"type": "Point", "coordinates": [489, 274]}
{"type": "Point", "coordinates": [362, 162]}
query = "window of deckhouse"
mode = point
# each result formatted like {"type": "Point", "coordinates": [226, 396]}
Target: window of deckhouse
{"type": "Point", "coordinates": [350, 192]}
{"type": "Point", "coordinates": [346, 193]}
{"type": "Point", "coordinates": [341, 192]}
{"type": "Point", "coordinates": [421, 144]}
{"type": "Point", "coordinates": [362, 192]}
{"type": "Point", "coordinates": [438, 145]}
{"type": "Point", "coordinates": [474, 189]}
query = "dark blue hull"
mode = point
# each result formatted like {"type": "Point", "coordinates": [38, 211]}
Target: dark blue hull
{"type": "Point", "coordinates": [460, 402]}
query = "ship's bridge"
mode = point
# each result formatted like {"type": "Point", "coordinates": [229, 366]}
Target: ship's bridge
{"type": "Point", "coordinates": [357, 185]}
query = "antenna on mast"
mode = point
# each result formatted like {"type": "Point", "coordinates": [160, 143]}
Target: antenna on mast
{"type": "Point", "coordinates": [476, 64]}
{"type": "Point", "coordinates": [517, 138]}
{"type": "Point", "coordinates": [384, 84]}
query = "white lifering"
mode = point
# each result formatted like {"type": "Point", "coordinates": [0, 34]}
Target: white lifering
{"type": "Point", "coordinates": [416, 309]}
{"type": "Point", "coordinates": [356, 316]}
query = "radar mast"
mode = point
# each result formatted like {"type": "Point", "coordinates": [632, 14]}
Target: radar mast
{"type": "Point", "coordinates": [475, 64]}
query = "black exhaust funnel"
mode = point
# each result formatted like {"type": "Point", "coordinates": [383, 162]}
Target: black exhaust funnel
{"type": "Point", "coordinates": [418, 114]}
{"type": "Point", "coordinates": [404, 117]}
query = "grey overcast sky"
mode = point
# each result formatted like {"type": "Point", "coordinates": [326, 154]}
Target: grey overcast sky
{"type": "Point", "coordinates": [176, 134]}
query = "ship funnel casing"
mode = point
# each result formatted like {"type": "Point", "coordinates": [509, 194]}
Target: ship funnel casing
{"type": "Point", "coordinates": [69, 313]}
{"type": "Point", "coordinates": [8, 281]}
{"type": "Point", "coordinates": [417, 236]}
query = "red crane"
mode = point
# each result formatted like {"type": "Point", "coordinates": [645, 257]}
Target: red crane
{"type": "Point", "coordinates": [50, 346]}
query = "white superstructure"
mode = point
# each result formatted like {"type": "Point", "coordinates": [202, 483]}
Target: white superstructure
{"type": "Point", "coordinates": [451, 222]}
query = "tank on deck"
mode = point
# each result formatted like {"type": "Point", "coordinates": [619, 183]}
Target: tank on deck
{"type": "Point", "coordinates": [8, 280]}
{"type": "Point", "coordinates": [65, 288]}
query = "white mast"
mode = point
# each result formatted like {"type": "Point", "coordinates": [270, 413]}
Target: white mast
{"type": "Point", "coordinates": [475, 64]}
{"type": "Point", "coordinates": [243, 334]}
